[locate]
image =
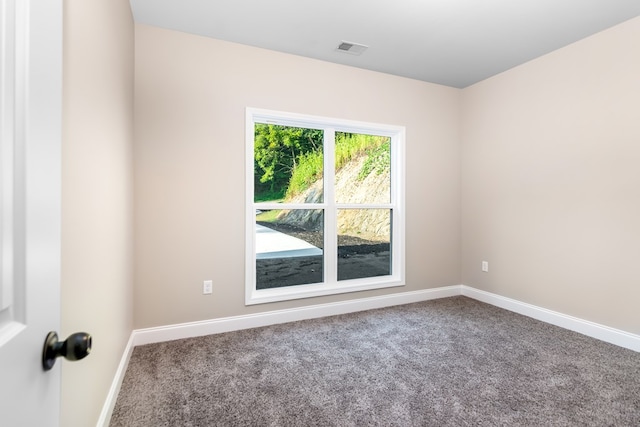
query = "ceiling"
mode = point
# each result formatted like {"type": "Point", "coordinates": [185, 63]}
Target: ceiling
{"type": "Point", "coordinates": [449, 42]}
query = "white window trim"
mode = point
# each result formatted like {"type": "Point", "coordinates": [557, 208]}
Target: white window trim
{"type": "Point", "coordinates": [397, 203]}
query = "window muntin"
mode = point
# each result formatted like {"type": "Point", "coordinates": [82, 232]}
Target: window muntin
{"type": "Point", "coordinates": [333, 216]}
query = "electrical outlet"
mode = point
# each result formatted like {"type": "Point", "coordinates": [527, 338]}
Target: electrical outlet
{"type": "Point", "coordinates": [207, 287]}
{"type": "Point", "coordinates": [485, 266]}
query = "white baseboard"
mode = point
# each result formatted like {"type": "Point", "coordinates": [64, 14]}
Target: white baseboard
{"type": "Point", "coordinates": [112, 396]}
{"type": "Point", "coordinates": [585, 327]}
{"type": "Point", "coordinates": [235, 323]}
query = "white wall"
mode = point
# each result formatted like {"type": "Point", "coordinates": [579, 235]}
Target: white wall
{"type": "Point", "coordinates": [97, 278]}
{"type": "Point", "coordinates": [191, 93]}
{"type": "Point", "coordinates": [551, 180]}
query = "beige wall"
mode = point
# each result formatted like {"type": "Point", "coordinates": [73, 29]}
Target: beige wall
{"type": "Point", "coordinates": [96, 198]}
{"type": "Point", "coordinates": [551, 180]}
{"type": "Point", "coordinates": [191, 93]}
{"type": "Point", "coordinates": [549, 173]}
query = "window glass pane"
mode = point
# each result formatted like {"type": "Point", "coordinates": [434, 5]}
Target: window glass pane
{"type": "Point", "coordinates": [289, 247]}
{"type": "Point", "coordinates": [363, 168]}
{"type": "Point", "coordinates": [364, 243]}
{"type": "Point", "coordinates": [288, 164]}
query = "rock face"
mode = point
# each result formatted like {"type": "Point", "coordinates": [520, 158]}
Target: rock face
{"type": "Point", "coordinates": [369, 224]}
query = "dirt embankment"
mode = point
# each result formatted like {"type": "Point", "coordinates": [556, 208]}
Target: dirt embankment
{"type": "Point", "coordinates": [373, 225]}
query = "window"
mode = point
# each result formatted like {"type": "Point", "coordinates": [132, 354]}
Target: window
{"type": "Point", "coordinates": [325, 206]}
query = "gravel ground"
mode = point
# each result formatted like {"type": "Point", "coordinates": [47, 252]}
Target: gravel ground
{"type": "Point", "coordinates": [355, 244]}
{"type": "Point", "coordinates": [357, 258]}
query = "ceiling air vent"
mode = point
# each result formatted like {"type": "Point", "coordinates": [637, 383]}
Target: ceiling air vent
{"type": "Point", "coordinates": [351, 48]}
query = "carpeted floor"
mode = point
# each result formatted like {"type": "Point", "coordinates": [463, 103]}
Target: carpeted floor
{"type": "Point", "coordinates": [447, 362]}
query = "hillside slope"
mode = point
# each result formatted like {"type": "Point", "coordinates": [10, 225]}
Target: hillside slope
{"type": "Point", "coordinates": [369, 224]}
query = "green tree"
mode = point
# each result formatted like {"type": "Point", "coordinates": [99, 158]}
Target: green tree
{"type": "Point", "coordinates": [277, 150]}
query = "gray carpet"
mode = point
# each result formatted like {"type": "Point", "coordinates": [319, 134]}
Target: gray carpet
{"type": "Point", "coordinates": [447, 362]}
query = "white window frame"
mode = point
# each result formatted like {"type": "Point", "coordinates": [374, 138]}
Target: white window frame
{"type": "Point", "coordinates": [330, 285]}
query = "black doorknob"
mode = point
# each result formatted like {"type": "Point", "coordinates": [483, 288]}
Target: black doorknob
{"type": "Point", "coordinates": [77, 346]}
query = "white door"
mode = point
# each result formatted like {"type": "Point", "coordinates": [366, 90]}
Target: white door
{"type": "Point", "coordinates": [30, 128]}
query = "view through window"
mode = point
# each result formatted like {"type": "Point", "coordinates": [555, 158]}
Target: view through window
{"type": "Point", "coordinates": [325, 212]}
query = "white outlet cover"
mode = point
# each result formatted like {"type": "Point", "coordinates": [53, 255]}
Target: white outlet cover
{"type": "Point", "coordinates": [207, 287]}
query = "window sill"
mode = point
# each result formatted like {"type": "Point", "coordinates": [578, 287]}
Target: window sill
{"type": "Point", "coordinates": [287, 293]}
